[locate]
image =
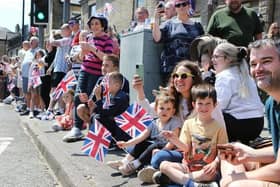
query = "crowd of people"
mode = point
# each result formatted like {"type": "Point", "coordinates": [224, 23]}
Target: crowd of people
{"type": "Point", "coordinates": [206, 113]}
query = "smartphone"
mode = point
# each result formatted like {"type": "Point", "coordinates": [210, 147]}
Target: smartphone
{"type": "Point", "coordinates": [226, 149]}
{"type": "Point", "coordinates": [140, 70]}
{"type": "Point", "coordinates": [161, 6]}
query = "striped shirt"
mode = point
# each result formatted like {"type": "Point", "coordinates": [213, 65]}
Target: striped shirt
{"type": "Point", "coordinates": [91, 63]}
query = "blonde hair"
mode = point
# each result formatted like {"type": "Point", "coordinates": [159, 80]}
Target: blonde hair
{"type": "Point", "coordinates": [237, 56]}
{"type": "Point", "coordinates": [270, 33]}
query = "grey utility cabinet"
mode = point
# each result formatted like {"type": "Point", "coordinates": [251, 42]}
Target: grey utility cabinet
{"type": "Point", "coordinates": [140, 54]}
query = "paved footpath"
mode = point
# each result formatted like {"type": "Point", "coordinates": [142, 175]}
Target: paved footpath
{"type": "Point", "coordinates": [71, 167]}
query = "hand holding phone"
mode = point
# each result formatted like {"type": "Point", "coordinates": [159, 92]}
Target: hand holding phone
{"type": "Point", "coordinates": [226, 149]}
{"type": "Point", "coordinates": [160, 6]}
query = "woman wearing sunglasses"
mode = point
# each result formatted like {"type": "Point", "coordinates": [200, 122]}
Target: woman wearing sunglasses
{"type": "Point", "coordinates": [176, 35]}
{"type": "Point", "coordinates": [185, 75]}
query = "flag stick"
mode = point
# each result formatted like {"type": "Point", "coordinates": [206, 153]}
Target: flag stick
{"type": "Point", "coordinates": [121, 148]}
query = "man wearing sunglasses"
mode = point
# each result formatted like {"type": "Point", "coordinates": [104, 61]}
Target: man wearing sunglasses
{"type": "Point", "coordinates": [237, 24]}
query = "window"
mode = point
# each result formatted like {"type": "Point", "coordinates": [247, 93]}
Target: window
{"type": "Point", "coordinates": [140, 3]}
{"type": "Point", "coordinates": [92, 10]}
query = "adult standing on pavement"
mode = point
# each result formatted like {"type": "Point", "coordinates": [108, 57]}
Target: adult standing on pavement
{"type": "Point", "coordinates": [265, 68]}
{"type": "Point", "coordinates": [75, 28]}
{"type": "Point", "coordinates": [169, 10]}
{"type": "Point", "coordinates": [176, 35]}
{"type": "Point", "coordinates": [237, 24]}
{"type": "Point", "coordinates": [21, 53]}
{"type": "Point", "coordinates": [59, 66]}
{"type": "Point", "coordinates": [25, 65]}
{"type": "Point", "coordinates": [97, 45]}
{"type": "Point", "coordinates": [75, 63]}
{"type": "Point", "coordinates": [141, 14]}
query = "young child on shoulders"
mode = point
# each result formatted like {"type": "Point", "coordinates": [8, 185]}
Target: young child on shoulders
{"type": "Point", "coordinates": [198, 140]}
{"type": "Point", "coordinates": [65, 121]}
{"type": "Point", "coordinates": [150, 139]}
{"type": "Point", "coordinates": [118, 103]}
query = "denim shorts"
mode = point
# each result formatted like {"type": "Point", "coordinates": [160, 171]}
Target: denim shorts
{"type": "Point", "coordinates": [25, 85]}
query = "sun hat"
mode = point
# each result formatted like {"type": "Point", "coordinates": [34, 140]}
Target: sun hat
{"type": "Point", "coordinates": [203, 44]}
{"type": "Point", "coordinates": [102, 18]}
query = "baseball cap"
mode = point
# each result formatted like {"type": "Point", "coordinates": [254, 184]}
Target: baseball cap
{"type": "Point", "coordinates": [73, 21]}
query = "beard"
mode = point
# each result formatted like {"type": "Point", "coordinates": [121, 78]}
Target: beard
{"type": "Point", "coordinates": [234, 6]}
{"type": "Point", "coordinates": [271, 82]}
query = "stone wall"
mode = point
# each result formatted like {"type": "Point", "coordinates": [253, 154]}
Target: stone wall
{"type": "Point", "coordinates": [124, 10]}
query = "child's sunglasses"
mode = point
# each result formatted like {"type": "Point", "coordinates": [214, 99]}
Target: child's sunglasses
{"type": "Point", "coordinates": [182, 75]}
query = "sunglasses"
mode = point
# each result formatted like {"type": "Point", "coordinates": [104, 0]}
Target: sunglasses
{"type": "Point", "coordinates": [182, 75]}
{"type": "Point", "coordinates": [178, 5]}
{"type": "Point", "coordinates": [72, 22]}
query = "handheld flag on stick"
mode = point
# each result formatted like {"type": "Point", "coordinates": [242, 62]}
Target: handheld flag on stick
{"type": "Point", "coordinates": [97, 141]}
{"type": "Point", "coordinates": [134, 120]}
{"type": "Point", "coordinates": [64, 85]}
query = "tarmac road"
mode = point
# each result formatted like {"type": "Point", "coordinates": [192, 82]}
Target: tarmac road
{"type": "Point", "coordinates": [70, 166]}
{"type": "Point", "coordinates": [21, 163]}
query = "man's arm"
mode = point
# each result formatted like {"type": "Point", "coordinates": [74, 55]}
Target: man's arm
{"type": "Point", "coordinates": [244, 154]}
{"type": "Point", "coordinates": [264, 155]}
{"type": "Point", "coordinates": [269, 173]}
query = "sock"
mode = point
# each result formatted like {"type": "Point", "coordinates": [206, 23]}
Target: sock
{"type": "Point", "coordinates": [136, 163]}
{"type": "Point", "coordinates": [28, 108]}
{"type": "Point", "coordinates": [125, 161]}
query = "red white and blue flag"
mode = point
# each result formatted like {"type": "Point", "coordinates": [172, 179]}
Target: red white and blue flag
{"type": "Point", "coordinates": [97, 141]}
{"type": "Point", "coordinates": [134, 120]}
{"type": "Point", "coordinates": [105, 92]}
{"type": "Point", "coordinates": [65, 84]}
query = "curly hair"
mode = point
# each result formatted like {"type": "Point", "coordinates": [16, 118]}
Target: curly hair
{"type": "Point", "coordinates": [196, 79]}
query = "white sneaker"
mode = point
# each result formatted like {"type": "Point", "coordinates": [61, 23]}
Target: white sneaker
{"type": "Point", "coordinates": [31, 115]}
{"type": "Point", "coordinates": [114, 164]}
{"type": "Point", "coordinates": [127, 169]}
{"type": "Point", "coordinates": [146, 174]}
{"type": "Point", "coordinates": [74, 135]}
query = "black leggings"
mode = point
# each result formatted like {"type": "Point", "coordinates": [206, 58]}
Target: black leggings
{"type": "Point", "coordinates": [144, 150]}
{"type": "Point", "coordinates": [243, 130]}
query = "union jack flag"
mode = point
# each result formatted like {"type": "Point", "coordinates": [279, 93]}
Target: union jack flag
{"type": "Point", "coordinates": [106, 94]}
{"type": "Point", "coordinates": [134, 120]}
{"type": "Point", "coordinates": [65, 84]}
{"type": "Point", "coordinates": [97, 141]}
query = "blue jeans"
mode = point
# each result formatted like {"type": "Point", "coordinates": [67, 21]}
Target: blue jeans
{"type": "Point", "coordinates": [166, 155]}
{"type": "Point", "coordinates": [86, 83]}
